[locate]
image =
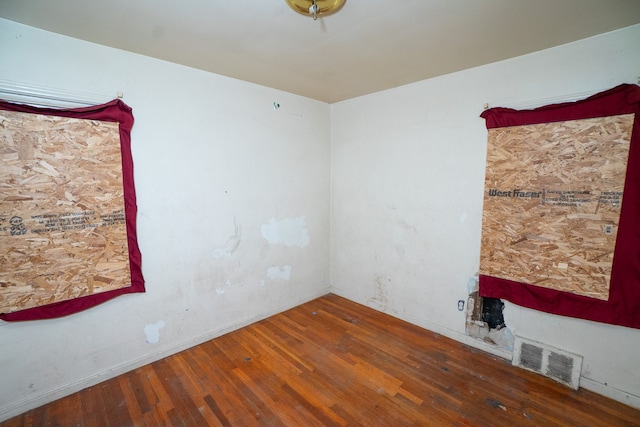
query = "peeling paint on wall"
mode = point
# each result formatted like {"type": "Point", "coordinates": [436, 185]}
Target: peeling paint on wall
{"type": "Point", "coordinates": [220, 290]}
{"type": "Point", "coordinates": [279, 273]}
{"type": "Point", "coordinates": [152, 331]}
{"type": "Point", "coordinates": [289, 232]}
{"type": "Point", "coordinates": [232, 243]}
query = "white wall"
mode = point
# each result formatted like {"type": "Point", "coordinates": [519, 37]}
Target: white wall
{"type": "Point", "coordinates": [213, 159]}
{"type": "Point", "coordinates": [407, 187]}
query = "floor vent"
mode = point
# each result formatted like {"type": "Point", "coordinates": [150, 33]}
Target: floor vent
{"type": "Point", "coordinates": [559, 365]}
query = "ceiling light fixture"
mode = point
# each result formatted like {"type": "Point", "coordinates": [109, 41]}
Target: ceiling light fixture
{"type": "Point", "coordinates": [315, 8]}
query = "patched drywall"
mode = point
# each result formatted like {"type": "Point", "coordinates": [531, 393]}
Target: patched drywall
{"type": "Point", "coordinates": [152, 331]}
{"type": "Point", "coordinates": [283, 273]}
{"type": "Point", "coordinates": [288, 232]}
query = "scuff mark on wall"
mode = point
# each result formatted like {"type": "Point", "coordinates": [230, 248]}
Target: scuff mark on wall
{"type": "Point", "coordinates": [407, 227]}
{"type": "Point", "coordinates": [289, 232]}
{"type": "Point", "coordinates": [380, 299]}
{"type": "Point", "coordinates": [279, 273]}
{"type": "Point", "coordinates": [220, 290]}
{"type": "Point", "coordinates": [152, 331]}
{"type": "Point", "coordinates": [232, 243]}
{"type": "Point", "coordinates": [404, 234]}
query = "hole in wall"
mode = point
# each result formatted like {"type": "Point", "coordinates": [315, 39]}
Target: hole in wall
{"type": "Point", "coordinates": [492, 312]}
{"type": "Point", "coordinates": [485, 321]}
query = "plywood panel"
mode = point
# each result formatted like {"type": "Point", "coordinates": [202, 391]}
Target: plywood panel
{"type": "Point", "coordinates": [553, 194]}
{"type": "Point", "coordinates": [62, 223]}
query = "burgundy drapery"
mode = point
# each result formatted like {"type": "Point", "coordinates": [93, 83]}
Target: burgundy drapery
{"type": "Point", "coordinates": [623, 306]}
{"type": "Point", "coordinates": [114, 111]}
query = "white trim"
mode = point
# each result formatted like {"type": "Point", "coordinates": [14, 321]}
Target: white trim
{"type": "Point", "coordinates": [41, 96]}
{"type": "Point", "coordinates": [586, 383]}
{"type": "Point", "coordinates": [47, 396]}
{"type": "Point", "coordinates": [610, 392]}
{"type": "Point", "coordinates": [535, 103]}
{"type": "Point", "coordinates": [439, 329]}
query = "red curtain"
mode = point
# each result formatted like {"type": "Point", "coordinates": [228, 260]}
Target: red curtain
{"type": "Point", "coordinates": [114, 111]}
{"type": "Point", "coordinates": [623, 306]}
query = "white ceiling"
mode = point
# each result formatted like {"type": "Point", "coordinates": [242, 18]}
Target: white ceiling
{"type": "Point", "coordinates": [368, 46]}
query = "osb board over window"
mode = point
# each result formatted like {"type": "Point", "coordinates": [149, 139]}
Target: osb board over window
{"type": "Point", "coordinates": [552, 200]}
{"type": "Point", "coordinates": [62, 220]}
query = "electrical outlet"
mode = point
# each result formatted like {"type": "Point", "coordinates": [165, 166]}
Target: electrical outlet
{"type": "Point", "coordinates": [460, 305]}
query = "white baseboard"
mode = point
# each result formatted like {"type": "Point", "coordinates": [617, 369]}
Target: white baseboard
{"type": "Point", "coordinates": [50, 395]}
{"type": "Point", "coordinates": [610, 392]}
{"type": "Point", "coordinates": [586, 383]}
{"type": "Point", "coordinates": [47, 396]}
{"type": "Point", "coordinates": [439, 329]}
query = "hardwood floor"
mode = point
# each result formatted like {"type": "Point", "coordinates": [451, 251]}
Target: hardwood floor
{"type": "Point", "coordinates": [330, 362]}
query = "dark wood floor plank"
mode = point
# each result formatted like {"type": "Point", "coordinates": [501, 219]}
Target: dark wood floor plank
{"type": "Point", "coordinates": [223, 386]}
{"type": "Point", "coordinates": [134, 392]}
{"type": "Point", "coordinates": [217, 391]}
{"type": "Point", "coordinates": [185, 409]}
{"type": "Point", "coordinates": [330, 362]}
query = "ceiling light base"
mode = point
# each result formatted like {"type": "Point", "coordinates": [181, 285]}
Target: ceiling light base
{"type": "Point", "coordinates": [315, 8]}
